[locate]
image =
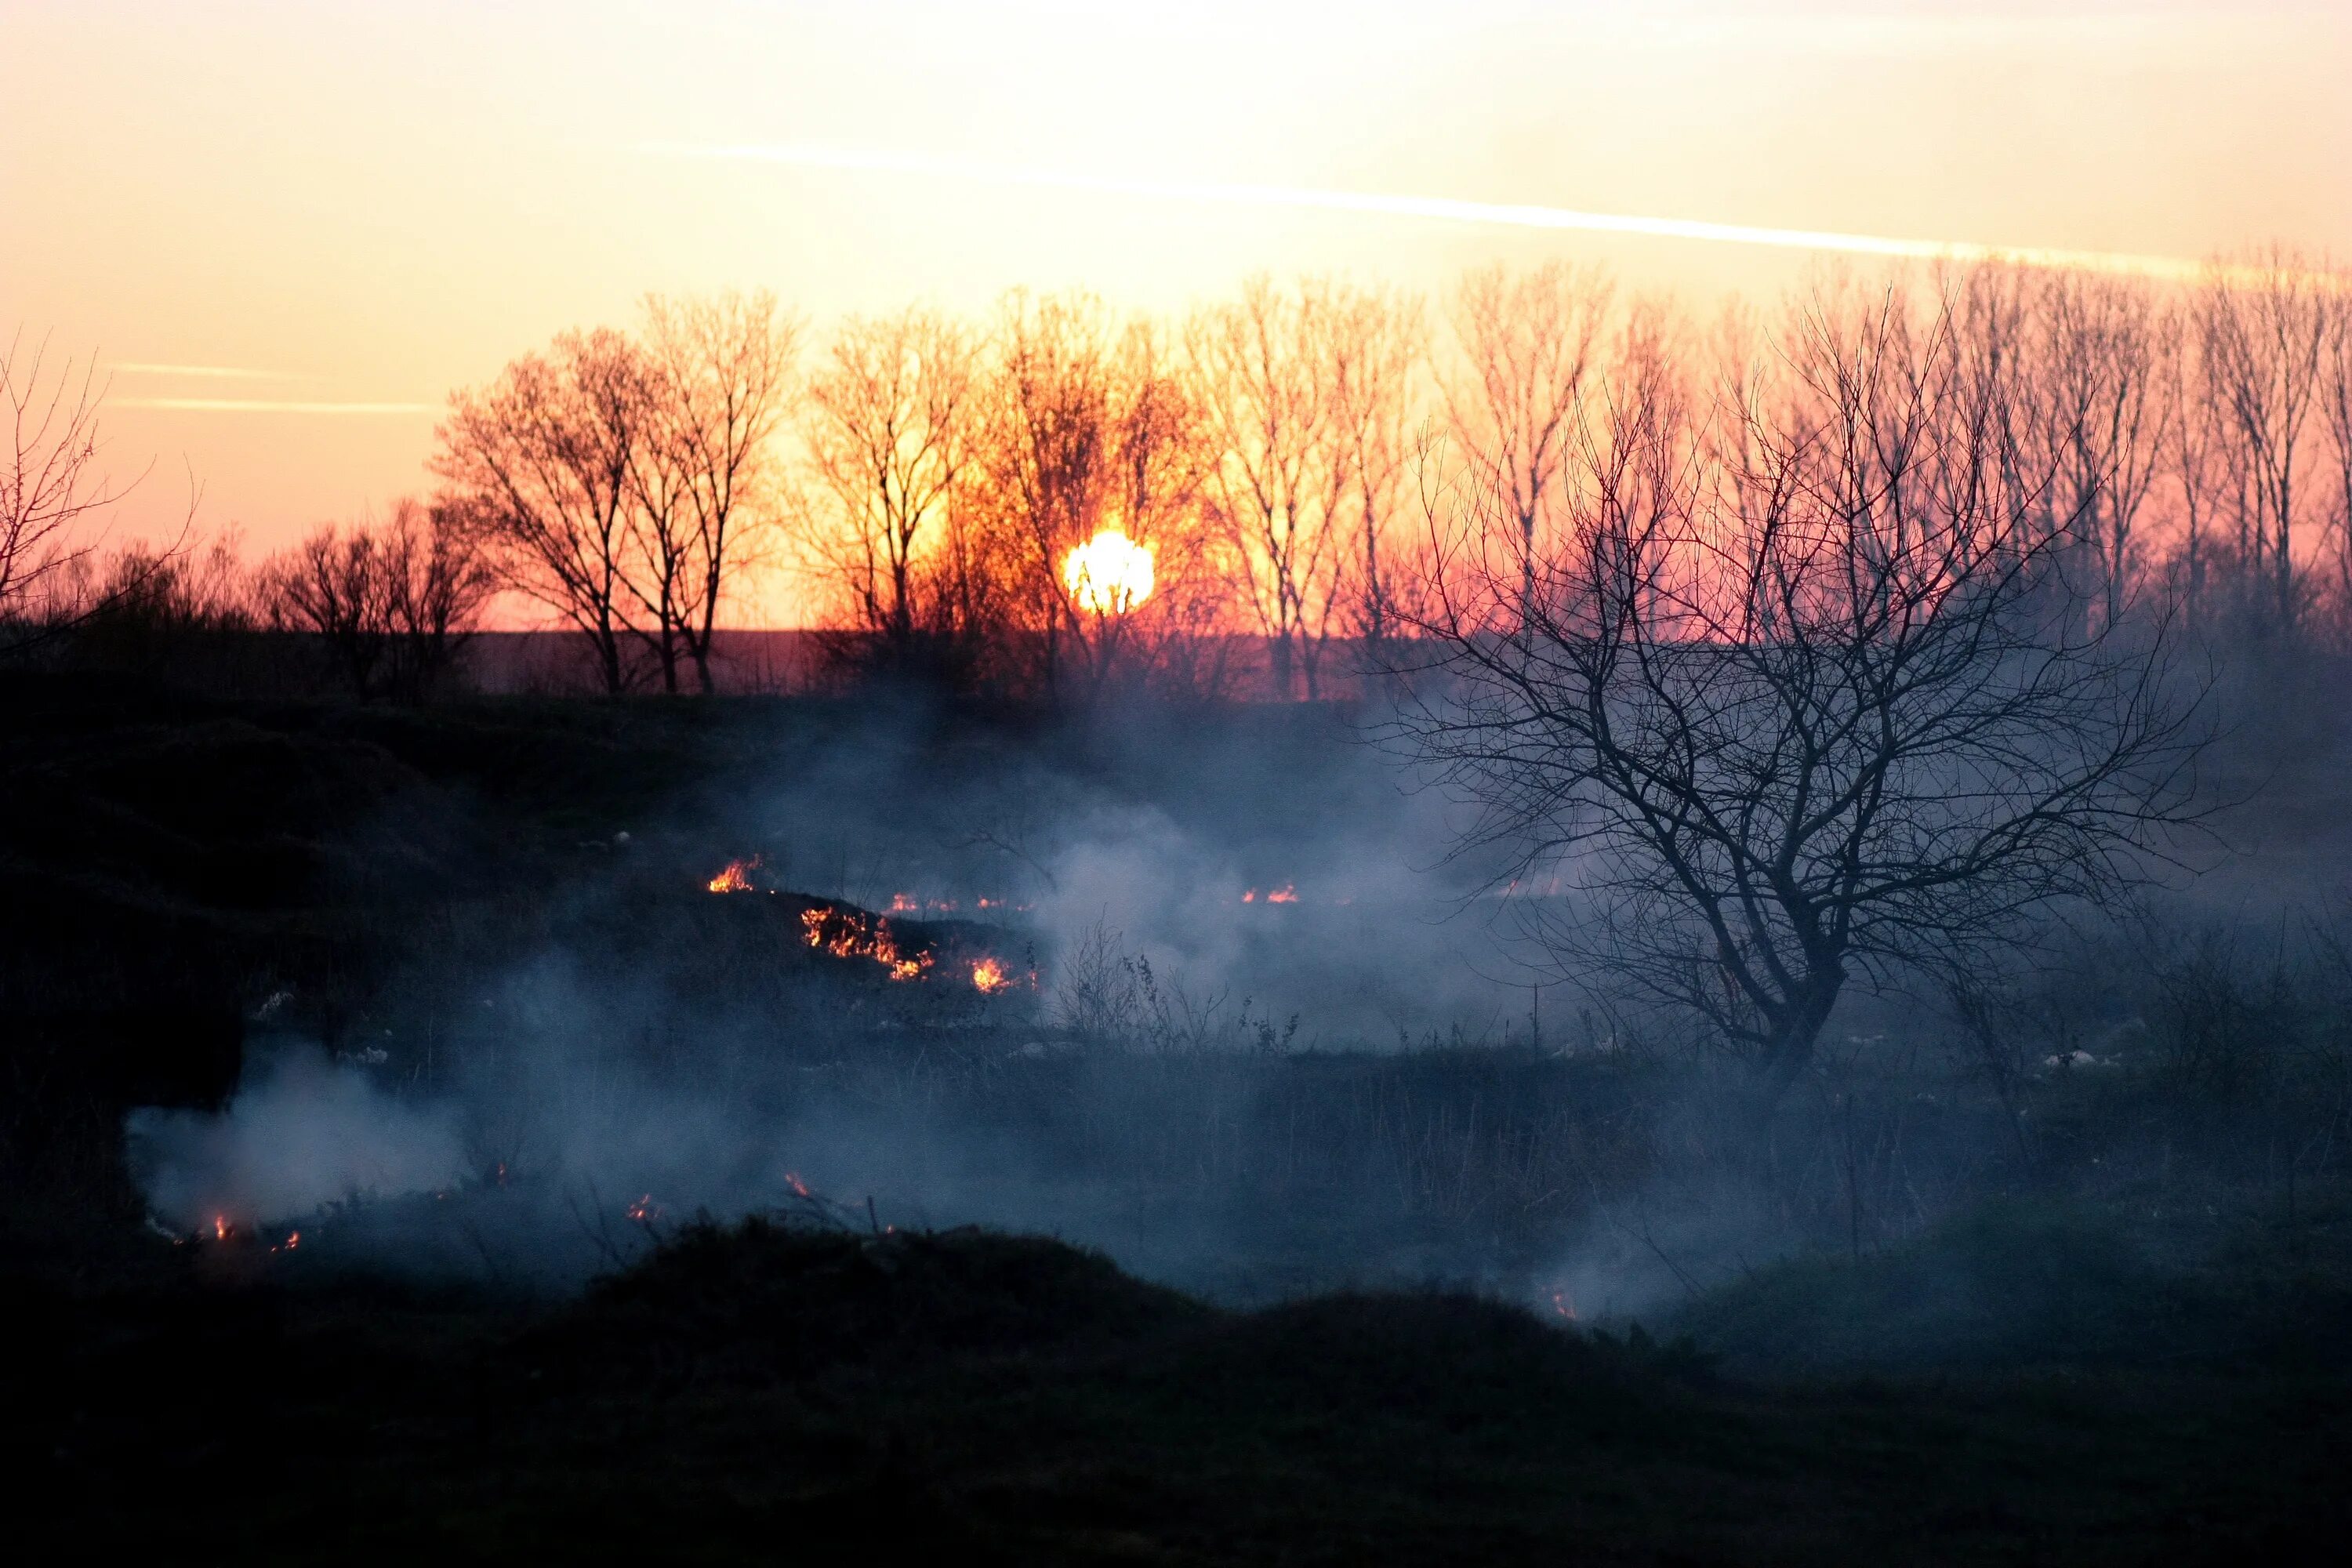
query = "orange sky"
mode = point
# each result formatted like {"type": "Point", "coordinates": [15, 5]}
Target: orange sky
{"type": "Point", "coordinates": [369, 203]}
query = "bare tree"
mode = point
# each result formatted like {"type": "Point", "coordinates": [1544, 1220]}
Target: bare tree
{"type": "Point", "coordinates": [390, 604]}
{"type": "Point", "coordinates": [890, 434]}
{"type": "Point", "coordinates": [1265, 369]}
{"type": "Point", "coordinates": [54, 501]}
{"type": "Point", "coordinates": [1526, 344]}
{"type": "Point", "coordinates": [1084, 426]}
{"type": "Point", "coordinates": [544, 461]}
{"type": "Point", "coordinates": [1791, 701]}
{"type": "Point", "coordinates": [2337, 396]}
{"type": "Point", "coordinates": [2264, 339]}
{"type": "Point", "coordinates": [718, 372]}
{"type": "Point", "coordinates": [1378, 342]}
{"type": "Point", "coordinates": [2105, 344]}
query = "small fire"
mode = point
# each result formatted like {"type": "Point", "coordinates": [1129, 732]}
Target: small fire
{"type": "Point", "coordinates": [1564, 1305]}
{"type": "Point", "coordinates": [1109, 574]}
{"type": "Point", "coordinates": [847, 934]}
{"type": "Point", "coordinates": [800, 1188]}
{"type": "Point", "coordinates": [1285, 894]}
{"type": "Point", "coordinates": [989, 976]}
{"type": "Point", "coordinates": [220, 1227]}
{"type": "Point", "coordinates": [736, 878]}
{"type": "Point", "coordinates": [645, 1211]}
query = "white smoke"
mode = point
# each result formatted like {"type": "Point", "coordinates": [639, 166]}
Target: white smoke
{"type": "Point", "coordinates": [300, 1132]}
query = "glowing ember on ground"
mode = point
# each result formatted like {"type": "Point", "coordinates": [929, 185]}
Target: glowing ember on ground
{"type": "Point", "coordinates": [1109, 574]}
{"type": "Point", "coordinates": [736, 878]}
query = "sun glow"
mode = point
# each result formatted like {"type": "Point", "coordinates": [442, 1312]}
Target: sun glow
{"type": "Point", "coordinates": [1109, 574]}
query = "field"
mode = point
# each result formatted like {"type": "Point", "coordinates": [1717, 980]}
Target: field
{"type": "Point", "coordinates": [1248, 1232]}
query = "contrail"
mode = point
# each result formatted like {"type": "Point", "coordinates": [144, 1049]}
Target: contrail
{"type": "Point", "coordinates": [1444, 208]}
{"type": "Point", "coordinates": [265, 405]}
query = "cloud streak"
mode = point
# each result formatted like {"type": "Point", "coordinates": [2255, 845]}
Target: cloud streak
{"type": "Point", "coordinates": [1438, 208]}
{"type": "Point", "coordinates": [208, 372]}
{"type": "Point", "coordinates": [265, 405]}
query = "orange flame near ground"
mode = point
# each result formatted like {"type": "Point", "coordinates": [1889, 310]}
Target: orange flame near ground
{"type": "Point", "coordinates": [988, 976]}
{"type": "Point", "coordinates": [736, 878]}
{"type": "Point", "coordinates": [1563, 1305]}
{"type": "Point", "coordinates": [1285, 894]}
{"type": "Point", "coordinates": [845, 935]}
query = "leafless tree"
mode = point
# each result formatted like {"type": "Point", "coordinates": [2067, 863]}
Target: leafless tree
{"type": "Point", "coordinates": [2103, 361]}
{"type": "Point", "coordinates": [2193, 462]}
{"type": "Point", "coordinates": [390, 604]}
{"type": "Point", "coordinates": [718, 371]}
{"type": "Point", "coordinates": [2264, 341]}
{"type": "Point", "coordinates": [55, 500]}
{"type": "Point", "coordinates": [1378, 343]}
{"type": "Point", "coordinates": [1791, 701]}
{"type": "Point", "coordinates": [1526, 345]}
{"type": "Point", "coordinates": [1084, 425]}
{"type": "Point", "coordinates": [1268, 369]}
{"type": "Point", "coordinates": [2337, 396]}
{"type": "Point", "coordinates": [544, 461]}
{"type": "Point", "coordinates": [890, 433]}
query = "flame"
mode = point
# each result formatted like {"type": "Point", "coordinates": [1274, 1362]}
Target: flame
{"type": "Point", "coordinates": [736, 878]}
{"type": "Point", "coordinates": [645, 1211]}
{"type": "Point", "coordinates": [847, 934]}
{"type": "Point", "coordinates": [1109, 574]}
{"type": "Point", "coordinates": [1285, 894]}
{"type": "Point", "coordinates": [220, 1227]}
{"type": "Point", "coordinates": [800, 1188]}
{"type": "Point", "coordinates": [1564, 1305]}
{"type": "Point", "coordinates": [989, 977]}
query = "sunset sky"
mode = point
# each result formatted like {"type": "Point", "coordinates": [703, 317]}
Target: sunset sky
{"type": "Point", "coordinates": [337, 213]}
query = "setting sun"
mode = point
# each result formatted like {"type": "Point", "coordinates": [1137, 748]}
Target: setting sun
{"type": "Point", "coordinates": [1109, 574]}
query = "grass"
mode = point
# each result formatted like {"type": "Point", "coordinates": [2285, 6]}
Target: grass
{"type": "Point", "coordinates": [760, 1392]}
{"type": "Point", "coordinates": [2120, 1340]}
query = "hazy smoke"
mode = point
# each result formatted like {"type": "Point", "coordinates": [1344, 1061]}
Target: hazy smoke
{"type": "Point", "coordinates": [299, 1134]}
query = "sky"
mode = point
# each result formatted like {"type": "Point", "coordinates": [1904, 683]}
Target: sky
{"type": "Point", "coordinates": [286, 230]}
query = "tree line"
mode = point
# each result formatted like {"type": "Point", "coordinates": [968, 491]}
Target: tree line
{"type": "Point", "coordinates": [1295, 457]}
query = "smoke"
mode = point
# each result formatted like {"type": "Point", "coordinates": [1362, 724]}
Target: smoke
{"type": "Point", "coordinates": [300, 1132]}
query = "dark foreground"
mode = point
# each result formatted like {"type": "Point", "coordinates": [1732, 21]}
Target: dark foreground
{"type": "Point", "coordinates": [766, 1394]}
{"type": "Point", "coordinates": [2115, 1345]}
